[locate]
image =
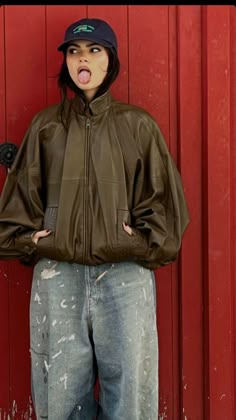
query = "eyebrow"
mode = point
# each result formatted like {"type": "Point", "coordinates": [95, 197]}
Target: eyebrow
{"type": "Point", "coordinates": [91, 44]}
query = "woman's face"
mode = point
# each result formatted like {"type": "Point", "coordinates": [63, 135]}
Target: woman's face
{"type": "Point", "coordinates": [87, 64]}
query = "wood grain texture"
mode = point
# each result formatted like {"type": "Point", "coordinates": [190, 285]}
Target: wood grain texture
{"type": "Point", "coordinates": [190, 161]}
{"type": "Point", "coordinates": [4, 280]}
{"type": "Point", "coordinates": [218, 280]}
{"type": "Point", "coordinates": [25, 95]}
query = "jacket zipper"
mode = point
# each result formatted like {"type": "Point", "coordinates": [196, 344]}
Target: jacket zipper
{"type": "Point", "coordinates": [86, 184]}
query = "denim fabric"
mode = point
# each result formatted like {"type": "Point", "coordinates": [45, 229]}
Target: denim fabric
{"type": "Point", "coordinates": [89, 321]}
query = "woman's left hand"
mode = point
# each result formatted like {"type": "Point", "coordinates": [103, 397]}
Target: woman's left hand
{"type": "Point", "coordinates": [127, 229]}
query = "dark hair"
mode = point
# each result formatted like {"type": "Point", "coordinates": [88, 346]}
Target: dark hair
{"type": "Point", "coordinates": [65, 82]}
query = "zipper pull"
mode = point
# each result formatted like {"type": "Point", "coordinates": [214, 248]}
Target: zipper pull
{"type": "Point", "coordinates": [88, 123]}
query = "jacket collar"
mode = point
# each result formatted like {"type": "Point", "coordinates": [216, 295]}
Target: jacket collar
{"type": "Point", "coordinates": [95, 107]}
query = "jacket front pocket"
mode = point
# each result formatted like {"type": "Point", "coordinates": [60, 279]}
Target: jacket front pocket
{"type": "Point", "coordinates": [123, 216]}
{"type": "Point", "coordinates": [135, 245]}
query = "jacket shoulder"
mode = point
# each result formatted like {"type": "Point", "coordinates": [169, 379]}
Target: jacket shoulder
{"type": "Point", "coordinates": [46, 115]}
{"type": "Point", "coordinates": [133, 111]}
{"type": "Point", "coordinates": [136, 116]}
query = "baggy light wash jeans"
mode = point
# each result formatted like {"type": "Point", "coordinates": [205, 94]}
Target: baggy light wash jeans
{"type": "Point", "coordinates": [88, 322]}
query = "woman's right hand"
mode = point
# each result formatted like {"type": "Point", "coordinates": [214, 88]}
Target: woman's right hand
{"type": "Point", "coordinates": [40, 234]}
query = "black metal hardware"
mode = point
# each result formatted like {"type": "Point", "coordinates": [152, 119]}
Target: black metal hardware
{"type": "Point", "coordinates": [8, 153]}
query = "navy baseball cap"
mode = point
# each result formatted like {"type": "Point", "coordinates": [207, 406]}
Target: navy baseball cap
{"type": "Point", "coordinates": [96, 30]}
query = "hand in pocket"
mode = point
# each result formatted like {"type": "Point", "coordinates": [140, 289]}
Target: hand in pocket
{"type": "Point", "coordinates": [127, 229]}
{"type": "Point", "coordinates": [41, 234]}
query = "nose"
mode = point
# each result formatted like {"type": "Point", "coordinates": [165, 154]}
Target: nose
{"type": "Point", "coordinates": [83, 59]}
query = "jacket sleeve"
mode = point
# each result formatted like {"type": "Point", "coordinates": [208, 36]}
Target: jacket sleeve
{"type": "Point", "coordinates": [21, 208]}
{"type": "Point", "coordinates": [160, 211]}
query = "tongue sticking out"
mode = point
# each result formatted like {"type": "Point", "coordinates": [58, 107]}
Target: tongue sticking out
{"type": "Point", "coordinates": [84, 76]}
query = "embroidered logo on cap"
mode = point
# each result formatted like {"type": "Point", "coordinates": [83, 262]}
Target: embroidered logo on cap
{"type": "Point", "coordinates": [83, 28]}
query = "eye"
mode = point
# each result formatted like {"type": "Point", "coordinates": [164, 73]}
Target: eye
{"type": "Point", "coordinates": [72, 50]}
{"type": "Point", "coordinates": [95, 49]}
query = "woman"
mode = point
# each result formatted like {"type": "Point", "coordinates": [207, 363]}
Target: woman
{"type": "Point", "coordinates": [95, 200]}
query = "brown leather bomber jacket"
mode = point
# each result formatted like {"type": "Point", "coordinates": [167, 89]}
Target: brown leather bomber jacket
{"type": "Point", "coordinates": [109, 167]}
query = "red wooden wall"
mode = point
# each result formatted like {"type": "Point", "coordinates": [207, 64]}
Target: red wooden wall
{"type": "Point", "coordinates": [179, 63]}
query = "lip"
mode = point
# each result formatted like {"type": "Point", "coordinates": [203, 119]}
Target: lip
{"type": "Point", "coordinates": [84, 68]}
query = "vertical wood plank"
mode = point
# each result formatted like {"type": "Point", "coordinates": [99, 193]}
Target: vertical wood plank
{"type": "Point", "coordinates": [4, 340]}
{"type": "Point", "coordinates": [233, 163]}
{"type": "Point", "coordinates": [190, 157]}
{"type": "Point", "coordinates": [2, 79]}
{"type": "Point", "coordinates": [149, 88]}
{"type": "Point", "coordinates": [217, 206]}
{"type": "Point", "coordinates": [4, 289]}
{"type": "Point", "coordinates": [174, 151]}
{"type": "Point", "coordinates": [25, 71]}
{"type": "Point", "coordinates": [25, 95]}
{"type": "Point", "coordinates": [148, 61]}
{"type": "Point", "coordinates": [2, 90]}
